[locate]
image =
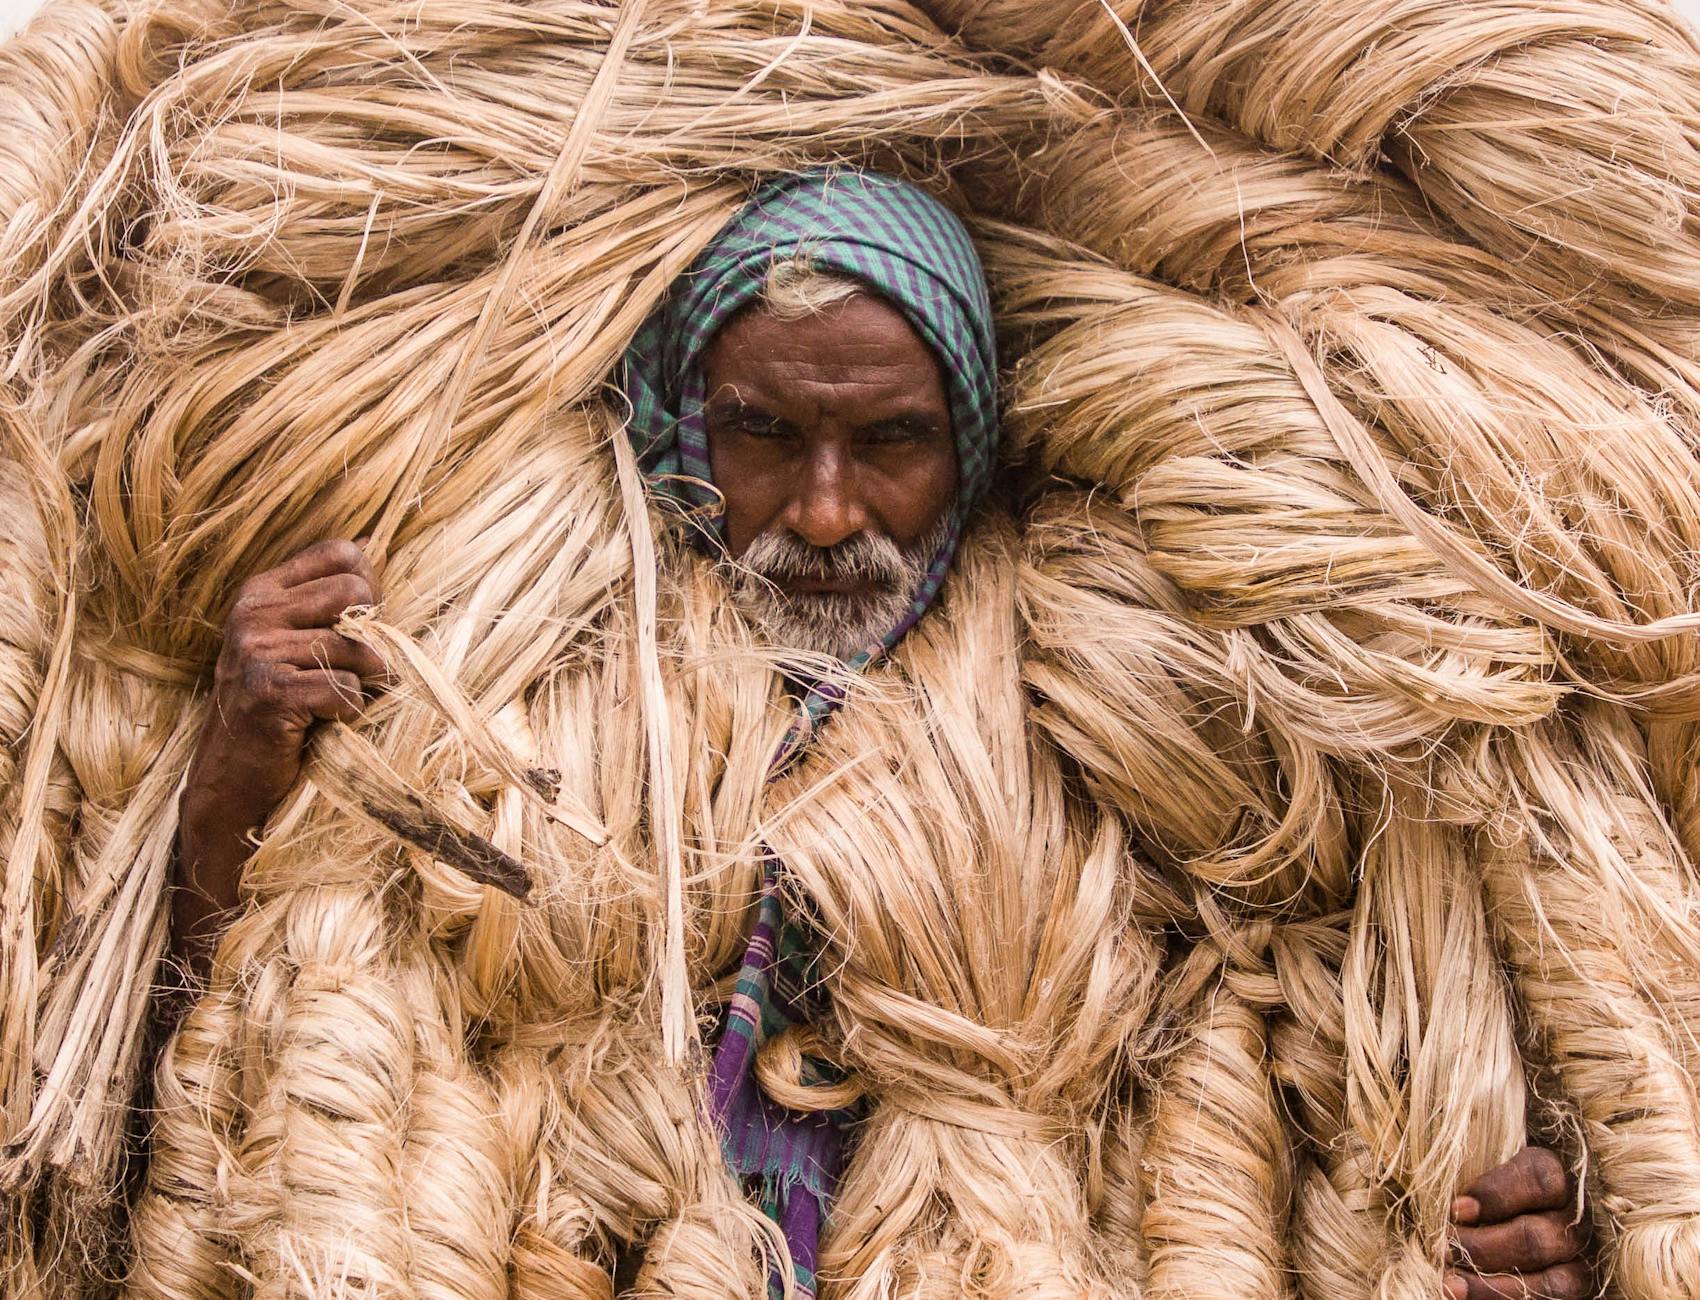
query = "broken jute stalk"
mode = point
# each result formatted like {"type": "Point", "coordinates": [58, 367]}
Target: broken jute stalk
{"type": "Point", "coordinates": [354, 776]}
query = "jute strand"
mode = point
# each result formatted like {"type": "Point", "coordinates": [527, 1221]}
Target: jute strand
{"type": "Point", "coordinates": [1673, 761]}
{"type": "Point", "coordinates": [1343, 1235]}
{"type": "Point", "coordinates": [1118, 1201]}
{"type": "Point", "coordinates": [1433, 1071]}
{"type": "Point", "coordinates": [1217, 1163]}
{"type": "Point", "coordinates": [180, 1225]}
{"type": "Point", "coordinates": [558, 183]}
{"type": "Point", "coordinates": [1566, 926]}
{"type": "Point", "coordinates": [1603, 808]}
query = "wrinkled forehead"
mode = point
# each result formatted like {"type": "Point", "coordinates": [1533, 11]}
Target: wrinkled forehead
{"type": "Point", "coordinates": [856, 360]}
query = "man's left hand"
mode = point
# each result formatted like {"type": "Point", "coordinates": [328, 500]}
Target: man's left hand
{"type": "Point", "coordinates": [1515, 1234]}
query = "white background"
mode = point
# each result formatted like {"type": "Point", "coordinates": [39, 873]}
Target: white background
{"type": "Point", "coordinates": [15, 13]}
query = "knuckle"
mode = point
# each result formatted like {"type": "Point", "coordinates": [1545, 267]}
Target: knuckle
{"type": "Point", "coordinates": [343, 698]}
{"type": "Point", "coordinates": [260, 681]}
{"type": "Point", "coordinates": [247, 606]}
{"type": "Point", "coordinates": [344, 553]}
{"type": "Point", "coordinates": [352, 589]}
{"type": "Point", "coordinates": [1537, 1241]}
{"type": "Point", "coordinates": [1548, 1175]}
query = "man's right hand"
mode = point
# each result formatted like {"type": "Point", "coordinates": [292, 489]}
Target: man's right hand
{"type": "Point", "coordinates": [280, 669]}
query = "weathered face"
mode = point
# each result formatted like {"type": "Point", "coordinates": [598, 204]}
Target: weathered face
{"type": "Point", "coordinates": [830, 437]}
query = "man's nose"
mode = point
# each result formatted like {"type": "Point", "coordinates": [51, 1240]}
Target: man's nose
{"type": "Point", "coordinates": [825, 508]}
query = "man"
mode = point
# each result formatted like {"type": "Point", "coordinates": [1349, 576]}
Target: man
{"type": "Point", "coordinates": [820, 387]}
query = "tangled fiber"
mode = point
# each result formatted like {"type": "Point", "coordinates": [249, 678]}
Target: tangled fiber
{"type": "Point", "coordinates": [1291, 807]}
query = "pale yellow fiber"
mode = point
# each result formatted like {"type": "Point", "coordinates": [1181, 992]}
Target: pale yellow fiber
{"type": "Point", "coordinates": [1289, 808]}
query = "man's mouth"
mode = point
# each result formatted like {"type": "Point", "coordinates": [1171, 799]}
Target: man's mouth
{"type": "Point", "coordinates": [829, 586]}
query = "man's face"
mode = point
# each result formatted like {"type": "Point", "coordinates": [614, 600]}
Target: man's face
{"type": "Point", "coordinates": [830, 437]}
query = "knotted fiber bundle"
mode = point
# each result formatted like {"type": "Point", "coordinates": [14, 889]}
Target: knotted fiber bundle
{"type": "Point", "coordinates": [1271, 689]}
{"type": "Point", "coordinates": [60, 118]}
{"type": "Point", "coordinates": [1311, 986]}
{"type": "Point", "coordinates": [1608, 1007]}
{"type": "Point", "coordinates": [1379, 643]}
{"type": "Point", "coordinates": [987, 973]}
{"type": "Point", "coordinates": [1562, 138]}
{"type": "Point", "coordinates": [293, 1147]}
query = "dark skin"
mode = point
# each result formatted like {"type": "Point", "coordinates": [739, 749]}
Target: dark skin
{"type": "Point", "coordinates": [1517, 1234]}
{"type": "Point", "coordinates": [828, 426]}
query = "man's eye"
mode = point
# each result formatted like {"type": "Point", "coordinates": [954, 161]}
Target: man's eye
{"type": "Point", "coordinates": [896, 434]}
{"type": "Point", "coordinates": [758, 428]}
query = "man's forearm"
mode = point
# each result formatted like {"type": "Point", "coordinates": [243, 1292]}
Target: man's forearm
{"type": "Point", "coordinates": [205, 884]}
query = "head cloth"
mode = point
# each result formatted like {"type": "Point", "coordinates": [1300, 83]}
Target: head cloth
{"type": "Point", "coordinates": [900, 241]}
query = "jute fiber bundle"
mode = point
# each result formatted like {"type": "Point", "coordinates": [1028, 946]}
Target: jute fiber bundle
{"type": "Point", "coordinates": [1290, 802]}
{"type": "Point", "coordinates": [1596, 980]}
{"type": "Point", "coordinates": [1563, 137]}
{"type": "Point", "coordinates": [293, 1148]}
{"type": "Point", "coordinates": [58, 118]}
{"type": "Point", "coordinates": [989, 973]}
{"type": "Point", "coordinates": [1385, 640]}
{"type": "Point", "coordinates": [1328, 994]}
{"type": "Point", "coordinates": [1582, 488]}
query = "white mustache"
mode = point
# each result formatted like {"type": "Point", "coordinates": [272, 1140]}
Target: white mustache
{"type": "Point", "coordinates": [780, 555]}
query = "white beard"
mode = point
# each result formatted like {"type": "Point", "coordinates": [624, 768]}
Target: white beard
{"type": "Point", "coordinates": [836, 624]}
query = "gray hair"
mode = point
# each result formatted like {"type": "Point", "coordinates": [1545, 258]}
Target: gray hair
{"type": "Point", "coordinates": [796, 287]}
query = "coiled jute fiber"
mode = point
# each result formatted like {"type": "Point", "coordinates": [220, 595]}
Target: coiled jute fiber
{"type": "Point", "coordinates": [1290, 807]}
